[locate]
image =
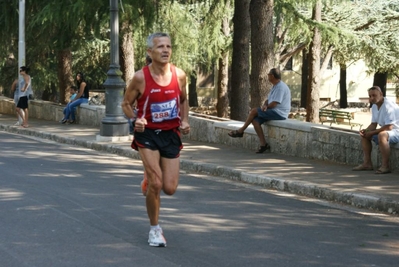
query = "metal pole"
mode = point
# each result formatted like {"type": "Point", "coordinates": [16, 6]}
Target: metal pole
{"type": "Point", "coordinates": [114, 123]}
{"type": "Point", "coordinates": [21, 38]}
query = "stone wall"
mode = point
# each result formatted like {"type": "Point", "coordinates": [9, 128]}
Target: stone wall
{"type": "Point", "coordinates": [289, 137]}
{"type": "Point", "coordinates": [86, 114]}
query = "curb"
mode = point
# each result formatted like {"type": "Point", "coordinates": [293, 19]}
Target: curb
{"type": "Point", "coordinates": [358, 200]}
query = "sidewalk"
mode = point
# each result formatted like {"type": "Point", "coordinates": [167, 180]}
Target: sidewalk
{"type": "Point", "coordinates": [319, 179]}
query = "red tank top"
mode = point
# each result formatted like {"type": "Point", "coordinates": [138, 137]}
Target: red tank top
{"type": "Point", "coordinates": [160, 105]}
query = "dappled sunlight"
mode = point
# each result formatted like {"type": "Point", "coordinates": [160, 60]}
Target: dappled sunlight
{"type": "Point", "coordinates": [203, 223]}
{"type": "Point", "coordinates": [386, 247]}
{"type": "Point", "coordinates": [55, 175]}
{"type": "Point", "coordinates": [35, 208]}
{"type": "Point", "coordinates": [98, 194]}
{"type": "Point", "coordinates": [140, 206]}
{"type": "Point", "coordinates": [202, 147]}
{"type": "Point", "coordinates": [263, 255]}
{"type": "Point", "coordinates": [345, 183]}
{"type": "Point", "coordinates": [115, 246]}
{"type": "Point", "coordinates": [10, 194]}
{"type": "Point", "coordinates": [188, 188]}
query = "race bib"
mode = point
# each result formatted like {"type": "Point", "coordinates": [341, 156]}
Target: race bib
{"type": "Point", "coordinates": [164, 111]}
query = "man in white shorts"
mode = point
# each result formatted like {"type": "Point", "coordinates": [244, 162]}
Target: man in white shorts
{"type": "Point", "coordinates": [385, 113]}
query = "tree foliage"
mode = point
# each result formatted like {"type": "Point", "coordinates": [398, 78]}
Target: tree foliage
{"type": "Point", "coordinates": [351, 29]}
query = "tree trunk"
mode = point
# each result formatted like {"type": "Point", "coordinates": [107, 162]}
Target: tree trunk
{"type": "Point", "coordinates": [240, 62]}
{"type": "Point", "coordinates": [222, 106]}
{"type": "Point", "coordinates": [313, 99]}
{"type": "Point", "coordinates": [305, 77]}
{"type": "Point", "coordinates": [223, 79]}
{"type": "Point", "coordinates": [192, 90]}
{"type": "Point", "coordinates": [343, 98]}
{"type": "Point", "coordinates": [262, 49]}
{"type": "Point", "coordinates": [127, 52]}
{"type": "Point", "coordinates": [380, 79]}
{"type": "Point", "coordinates": [65, 76]}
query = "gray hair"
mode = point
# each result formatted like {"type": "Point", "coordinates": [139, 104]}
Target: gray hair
{"type": "Point", "coordinates": [150, 39]}
{"type": "Point", "coordinates": [276, 73]}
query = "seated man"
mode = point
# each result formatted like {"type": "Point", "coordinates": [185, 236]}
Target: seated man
{"type": "Point", "coordinates": [384, 112]}
{"type": "Point", "coordinates": [276, 107]}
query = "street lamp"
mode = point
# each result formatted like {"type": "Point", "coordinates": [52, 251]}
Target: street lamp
{"type": "Point", "coordinates": [21, 38]}
{"type": "Point", "coordinates": [114, 126]}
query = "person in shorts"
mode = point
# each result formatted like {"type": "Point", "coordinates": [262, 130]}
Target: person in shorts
{"type": "Point", "coordinates": [25, 87]}
{"type": "Point", "coordinates": [162, 115]}
{"type": "Point", "coordinates": [276, 107]}
{"type": "Point", "coordinates": [15, 89]}
{"type": "Point", "coordinates": [384, 112]}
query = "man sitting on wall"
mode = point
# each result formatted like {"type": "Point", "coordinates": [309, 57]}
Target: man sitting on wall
{"type": "Point", "coordinates": [276, 107]}
{"type": "Point", "coordinates": [384, 112]}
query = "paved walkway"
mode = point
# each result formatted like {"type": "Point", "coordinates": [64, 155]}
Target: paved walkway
{"type": "Point", "coordinates": [335, 182]}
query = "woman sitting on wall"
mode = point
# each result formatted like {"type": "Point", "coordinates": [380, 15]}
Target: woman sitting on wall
{"type": "Point", "coordinates": [82, 97]}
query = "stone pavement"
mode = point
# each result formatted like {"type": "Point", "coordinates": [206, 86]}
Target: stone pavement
{"type": "Point", "coordinates": [318, 179]}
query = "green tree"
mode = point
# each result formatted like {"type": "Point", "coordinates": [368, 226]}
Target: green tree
{"type": "Point", "coordinates": [9, 45]}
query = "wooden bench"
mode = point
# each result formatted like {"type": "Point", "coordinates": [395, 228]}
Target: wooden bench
{"type": "Point", "coordinates": [337, 117]}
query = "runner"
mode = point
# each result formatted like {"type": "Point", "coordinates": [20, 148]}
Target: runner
{"type": "Point", "coordinates": [162, 114]}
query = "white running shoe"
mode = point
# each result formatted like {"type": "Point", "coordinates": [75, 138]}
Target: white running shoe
{"type": "Point", "coordinates": [18, 123]}
{"type": "Point", "coordinates": [156, 239]}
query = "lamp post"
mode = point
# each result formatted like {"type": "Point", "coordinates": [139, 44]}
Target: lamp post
{"type": "Point", "coordinates": [21, 38]}
{"type": "Point", "coordinates": [114, 126]}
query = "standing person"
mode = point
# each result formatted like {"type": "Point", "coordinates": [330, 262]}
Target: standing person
{"type": "Point", "coordinates": [23, 93]}
{"type": "Point", "coordinates": [276, 107]}
{"type": "Point", "coordinates": [82, 97]}
{"type": "Point", "coordinates": [384, 112]}
{"type": "Point", "coordinates": [162, 113]}
{"type": "Point", "coordinates": [15, 89]}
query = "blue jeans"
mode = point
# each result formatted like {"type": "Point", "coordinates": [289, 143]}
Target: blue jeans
{"type": "Point", "coordinates": [71, 107]}
{"type": "Point", "coordinates": [64, 112]}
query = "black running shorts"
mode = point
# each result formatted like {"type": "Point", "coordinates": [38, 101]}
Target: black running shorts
{"type": "Point", "coordinates": [168, 143]}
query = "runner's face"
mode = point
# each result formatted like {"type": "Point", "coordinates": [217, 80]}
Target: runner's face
{"type": "Point", "coordinates": [161, 51]}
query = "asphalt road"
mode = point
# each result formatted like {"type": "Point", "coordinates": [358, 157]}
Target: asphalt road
{"type": "Point", "coordinates": [67, 206]}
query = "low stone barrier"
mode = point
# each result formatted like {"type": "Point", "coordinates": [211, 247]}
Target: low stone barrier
{"type": "Point", "coordinates": [86, 114]}
{"type": "Point", "coordinates": [289, 137]}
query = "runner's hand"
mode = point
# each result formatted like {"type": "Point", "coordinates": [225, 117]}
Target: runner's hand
{"type": "Point", "coordinates": [139, 125]}
{"type": "Point", "coordinates": [185, 128]}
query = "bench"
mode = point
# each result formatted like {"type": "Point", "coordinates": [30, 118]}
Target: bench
{"type": "Point", "coordinates": [337, 117]}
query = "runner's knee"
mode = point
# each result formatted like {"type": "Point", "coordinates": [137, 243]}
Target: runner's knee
{"type": "Point", "coordinates": [169, 189]}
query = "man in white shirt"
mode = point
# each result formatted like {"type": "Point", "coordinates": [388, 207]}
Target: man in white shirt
{"type": "Point", "coordinates": [385, 113]}
{"type": "Point", "coordinates": [276, 107]}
